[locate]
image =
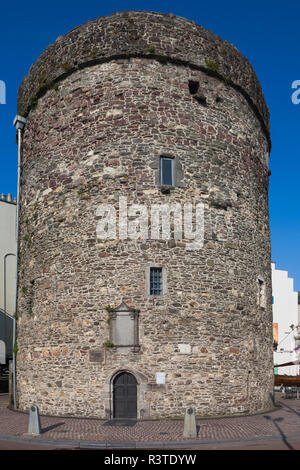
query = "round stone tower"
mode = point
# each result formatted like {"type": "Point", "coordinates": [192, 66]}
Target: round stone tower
{"type": "Point", "coordinates": [129, 117]}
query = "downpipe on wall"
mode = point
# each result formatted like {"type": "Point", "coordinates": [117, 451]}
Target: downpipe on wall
{"type": "Point", "coordinates": [19, 123]}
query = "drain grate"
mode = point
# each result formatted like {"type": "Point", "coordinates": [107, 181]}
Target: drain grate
{"type": "Point", "coordinates": [120, 422]}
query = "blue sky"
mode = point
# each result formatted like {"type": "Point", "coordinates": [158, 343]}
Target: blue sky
{"type": "Point", "coordinates": [266, 32]}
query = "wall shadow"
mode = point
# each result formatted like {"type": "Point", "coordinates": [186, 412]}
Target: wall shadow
{"type": "Point", "coordinates": [49, 428]}
{"type": "Point", "coordinates": [283, 436]}
{"type": "Point", "coordinates": [276, 421]}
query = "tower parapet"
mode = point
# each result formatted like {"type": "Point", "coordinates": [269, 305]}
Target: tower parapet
{"type": "Point", "coordinates": [162, 36]}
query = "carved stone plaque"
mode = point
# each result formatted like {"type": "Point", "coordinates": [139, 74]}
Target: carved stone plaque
{"type": "Point", "coordinates": [124, 326]}
{"type": "Point", "coordinates": [96, 355]}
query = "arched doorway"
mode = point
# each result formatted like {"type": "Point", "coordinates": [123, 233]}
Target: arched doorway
{"type": "Point", "coordinates": [125, 396]}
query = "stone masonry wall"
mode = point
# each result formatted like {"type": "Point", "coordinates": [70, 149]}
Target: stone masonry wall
{"type": "Point", "coordinates": [166, 37]}
{"type": "Point", "coordinates": [97, 136]}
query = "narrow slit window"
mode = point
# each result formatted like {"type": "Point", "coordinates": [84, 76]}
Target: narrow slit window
{"type": "Point", "coordinates": [193, 86]}
{"type": "Point", "coordinates": [261, 293]}
{"type": "Point", "coordinates": [167, 171]}
{"type": "Point", "coordinates": [155, 281]}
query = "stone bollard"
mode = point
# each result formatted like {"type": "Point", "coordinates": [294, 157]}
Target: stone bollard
{"type": "Point", "coordinates": [190, 428]}
{"type": "Point", "coordinates": [34, 426]}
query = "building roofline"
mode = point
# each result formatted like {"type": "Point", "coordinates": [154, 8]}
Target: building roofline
{"type": "Point", "coordinates": [289, 277]}
{"type": "Point", "coordinates": [10, 203]}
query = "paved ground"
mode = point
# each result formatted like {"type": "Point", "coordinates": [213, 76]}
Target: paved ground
{"type": "Point", "coordinates": [279, 429]}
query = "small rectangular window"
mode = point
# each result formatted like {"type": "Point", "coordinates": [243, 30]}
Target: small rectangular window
{"type": "Point", "coordinates": [167, 171]}
{"type": "Point", "coordinates": [155, 281]}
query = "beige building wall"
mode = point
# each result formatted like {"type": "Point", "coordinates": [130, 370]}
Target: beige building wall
{"type": "Point", "coordinates": [7, 269]}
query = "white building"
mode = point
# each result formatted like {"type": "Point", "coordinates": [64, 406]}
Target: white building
{"type": "Point", "coordinates": [7, 274]}
{"type": "Point", "coordinates": [285, 321]}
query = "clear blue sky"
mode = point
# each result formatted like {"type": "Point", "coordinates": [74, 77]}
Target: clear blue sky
{"type": "Point", "coordinates": [266, 32]}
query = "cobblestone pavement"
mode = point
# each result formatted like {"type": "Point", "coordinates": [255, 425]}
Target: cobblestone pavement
{"type": "Point", "coordinates": [279, 424]}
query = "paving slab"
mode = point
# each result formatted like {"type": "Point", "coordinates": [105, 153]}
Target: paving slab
{"type": "Point", "coordinates": [278, 424]}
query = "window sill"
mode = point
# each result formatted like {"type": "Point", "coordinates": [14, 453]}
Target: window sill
{"type": "Point", "coordinates": [158, 298]}
{"type": "Point", "coordinates": [132, 347]}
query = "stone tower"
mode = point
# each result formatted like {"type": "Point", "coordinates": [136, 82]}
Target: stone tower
{"type": "Point", "coordinates": [148, 109]}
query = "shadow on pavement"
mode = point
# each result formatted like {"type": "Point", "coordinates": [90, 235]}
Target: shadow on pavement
{"type": "Point", "coordinates": [283, 436]}
{"type": "Point", "coordinates": [49, 428]}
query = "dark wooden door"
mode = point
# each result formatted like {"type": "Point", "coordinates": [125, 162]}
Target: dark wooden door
{"type": "Point", "coordinates": [125, 396]}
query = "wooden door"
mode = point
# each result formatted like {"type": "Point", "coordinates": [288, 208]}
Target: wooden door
{"type": "Point", "coordinates": [125, 396]}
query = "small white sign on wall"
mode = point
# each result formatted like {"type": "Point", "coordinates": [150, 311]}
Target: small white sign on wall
{"type": "Point", "coordinates": [184, 348]}
{"type": "Point", "coordinates": [160, 378]}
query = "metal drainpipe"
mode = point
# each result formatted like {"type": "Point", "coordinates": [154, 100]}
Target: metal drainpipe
{"type": "Point", "coordinates": [19, 123]}
{"type": "Point", "coordinates": [4, 286]}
